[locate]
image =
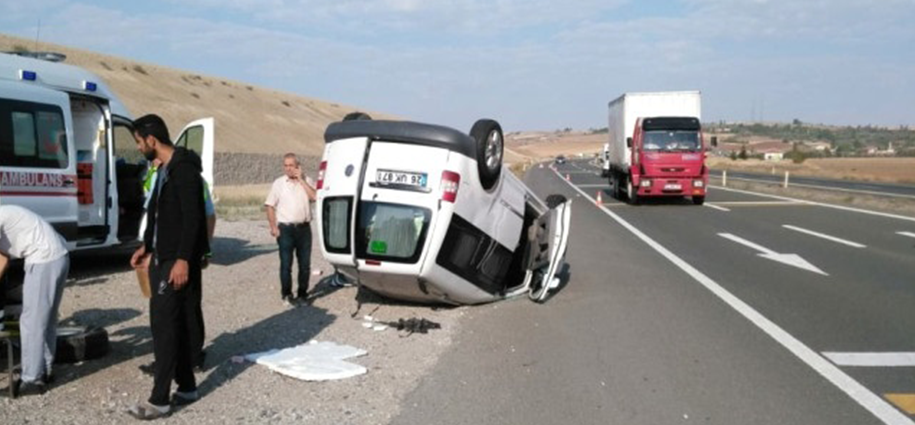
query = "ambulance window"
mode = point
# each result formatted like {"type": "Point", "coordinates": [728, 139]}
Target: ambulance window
{"type": "Point", "coordinates": [192, 139]}
{"type": "Point", "coordinates": [36, 137]}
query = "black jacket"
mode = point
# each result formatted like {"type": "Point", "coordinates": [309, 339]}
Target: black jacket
{"type": "Point", "coordinates": [177, 207]}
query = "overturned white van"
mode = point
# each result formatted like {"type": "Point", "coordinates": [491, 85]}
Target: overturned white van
{"type": "Point", "coordinates": [67, 151]}
{"type": "Point", "coordinates": [426, 213]}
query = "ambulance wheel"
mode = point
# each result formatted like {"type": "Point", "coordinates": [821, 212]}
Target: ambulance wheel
{"type": "Point", "coordinates": [77, 343]}
{"type": "Point", "coordinates": [554, 200]}
{"type": "Point", "coordinates": [698, 200]}
{"type": "Point", "coordinates": [490, 143]}
{"type": "Point", "coordinates": [355, 116]}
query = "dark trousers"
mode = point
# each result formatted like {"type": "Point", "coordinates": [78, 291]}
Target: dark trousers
{"type": "Point", "coordinates": [294, 239]}
{"type": "Point", "coordinates": [173, 317]}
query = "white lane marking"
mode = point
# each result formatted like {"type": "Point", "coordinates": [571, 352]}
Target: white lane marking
{"type": "Point", "coordinates": [757, 203]}
{"type": "Point", "coordinates": [857, 392]}
{"type": "Point", "coordinates": [789, 259]}
{"type": "Point", "coordinates": [837, 189]}
{"type": "Point", "coordinates": [716, 207]}
{"type": "Point", "coordinates": [827, 237]}
{"type": "Point", "coordinates": [909, 234]}
{"type": "Point", "coordinates": [801, 201]}
{"type": "Point", "coordinates": [872, 359]}
{"type": "Point", "coordinates": [593, 185]}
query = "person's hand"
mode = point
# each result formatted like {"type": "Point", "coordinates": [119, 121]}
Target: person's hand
{"type": "Point", "coordinates": [178, 275]}
{"type": "Point", "coordinates": [274, 231]}
{"type": "Point", "coordinates": [297, 174]}
{"type": "Point", "coordinates": [139, 258]}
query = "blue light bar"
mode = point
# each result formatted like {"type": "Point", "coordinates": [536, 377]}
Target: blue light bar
{"type": "Point", "coordinates": [89, 86]}
{"type": "Point", "coordinates": [27, 75]}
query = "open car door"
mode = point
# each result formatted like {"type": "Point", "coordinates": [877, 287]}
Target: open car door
{"type": "Point", "coordinates": [199, 137]}
{"type": "Point", "coordinates": [559, 219]}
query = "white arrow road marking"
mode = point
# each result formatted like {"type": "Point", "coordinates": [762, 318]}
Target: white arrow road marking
{"type": "Point", "coordinates": [789, 259]}
{"type": "Point", "coordinates": [827, 237]}
{"type": "Point", "coordinates": [717, 207]}
{"type": "Point", "coordinates": [909, 234]}
{"type": "Point", "coordinates": [872, 359]}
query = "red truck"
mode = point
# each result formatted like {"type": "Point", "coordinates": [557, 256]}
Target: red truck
{"type": "Point", "coordinates": [656, 147]}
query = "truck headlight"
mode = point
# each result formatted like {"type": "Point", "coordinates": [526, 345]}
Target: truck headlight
{"type": "Point", "coordinates": [698, 183]}
{"type": "Point", "coordinates": [645, 183]}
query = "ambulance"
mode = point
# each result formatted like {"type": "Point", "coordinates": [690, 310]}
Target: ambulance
{"type": "Point", "coordinates": [67, 151]}
{"type": "Point", "coordinates": [426, 213]}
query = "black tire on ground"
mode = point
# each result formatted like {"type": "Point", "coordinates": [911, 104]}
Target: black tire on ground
{"type": "Point", "coordinates": [76, 344]}
{"type": "Point", "coordinates": [490, 143]}
{"type": "Point", "coordinates": [353, 116]}
{"type": "Point", "coordinates": [698, 200]}
{"type": "Point", "coordinates": [631, 192]}
{"type": "Point", "coordinates": [615, 181]}
{"type": "Point", "coordinates": [553, 200]}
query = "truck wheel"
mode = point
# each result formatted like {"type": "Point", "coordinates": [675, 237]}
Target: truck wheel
{"type": "Point", "coordinates": [354, 116]}
{"type": "Point", "coordinates": [698, 200]}
{"type": "Point", "coordinates": [76, 344]}
{"type": "Point", "coordinates": [488, 136]}
{"type": "Point", "coordinates": [617, 190]}
{"type": "Point", "coordinates": [631, 192]}
{"type": "Point", "coordinates": [553, 200]}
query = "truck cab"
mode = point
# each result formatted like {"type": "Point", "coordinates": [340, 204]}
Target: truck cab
{"type": "Point", "coordinates": [668, 159]}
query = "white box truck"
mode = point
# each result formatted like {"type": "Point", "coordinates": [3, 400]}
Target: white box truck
{"type": "Point", "coordinates": [656, 147]}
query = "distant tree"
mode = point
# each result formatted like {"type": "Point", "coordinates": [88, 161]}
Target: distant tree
{"type": "Point", "coordinates": [796, 122]}
{"type": "Point", "coordinates": [733, 156]}
{"type": "Point", "coordinates": [743, 152]}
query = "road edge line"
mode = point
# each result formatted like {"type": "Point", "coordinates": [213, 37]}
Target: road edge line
{"type": "Point", "coordinates": [879, 407]}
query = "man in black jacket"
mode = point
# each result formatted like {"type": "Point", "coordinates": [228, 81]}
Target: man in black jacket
{"type": "Point", "coordinates": [176, 239]}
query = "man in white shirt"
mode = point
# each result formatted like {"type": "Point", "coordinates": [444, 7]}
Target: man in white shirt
{"type": "Point", "coordinates": [289, 213]}
{"type": "Point", "coordinates": [25, 235]}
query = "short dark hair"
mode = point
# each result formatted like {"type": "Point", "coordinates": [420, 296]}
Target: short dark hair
{"type": "Point", "coordinates": [152, 125]}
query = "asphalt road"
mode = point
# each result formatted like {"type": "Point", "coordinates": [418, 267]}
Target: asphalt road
{"type": "Point", "coordinates": [669, 314]}
{"type": "Point", "coordinates": [880, 189]}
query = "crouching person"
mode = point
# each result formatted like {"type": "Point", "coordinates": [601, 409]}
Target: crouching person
{"type": "Point", "coordinates": [25, 235]}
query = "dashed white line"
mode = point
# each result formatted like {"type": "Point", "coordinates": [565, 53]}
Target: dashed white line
{"type": "Point", "coordinates": [857, 392]}
{"type": "Point", "coordinates": [824, 236]}
{"type": "Point", "coordinates": [713, 206]}
{"type": "Point", "coordinates": [872, 359]}
{"type": "Point", "coordinates": [909, 234]}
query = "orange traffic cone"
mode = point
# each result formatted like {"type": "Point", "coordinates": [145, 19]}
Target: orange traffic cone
{"type": "Point", "coordinates": [599, 199]}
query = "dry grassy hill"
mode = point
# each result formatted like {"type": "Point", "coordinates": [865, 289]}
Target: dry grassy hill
{"type": "Point", "coordinates": [249, 119]}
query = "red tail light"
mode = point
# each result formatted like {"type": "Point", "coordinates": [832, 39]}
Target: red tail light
{"type": "Point", "coordinates": [451, 181]}
{"type": "Point", "coordinates": [321, 169]}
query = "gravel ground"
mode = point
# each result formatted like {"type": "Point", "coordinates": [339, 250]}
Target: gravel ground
{"type": "Point", "coordinates": [243, 315]}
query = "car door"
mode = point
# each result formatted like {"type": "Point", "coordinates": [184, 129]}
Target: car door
{"type": "Point", "coordinates": [557, 238]}
{"type": "Point", "coordinates": [37, 157]}
{"type": "Point", "coordinates": [199, 137]}
{"type": "Point", "coordinates": [340, 177]}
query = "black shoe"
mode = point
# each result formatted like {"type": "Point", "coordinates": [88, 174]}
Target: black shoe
{"type": "Point", "coordinates": [183, 399]}
{"type": "Point", "coordinates": [30, 388]}
{"type": "Point", "coordinates": [199, 365]}
{"type": "Point", "coordinates": [149, 368]}
{"type": "Point", "coordinates": [287, 299]}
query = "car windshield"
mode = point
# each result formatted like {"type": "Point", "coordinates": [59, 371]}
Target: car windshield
{"type": "Point", "coordinates": [663, 140]}
{"type": "Point", "coordinates": [391, 232]}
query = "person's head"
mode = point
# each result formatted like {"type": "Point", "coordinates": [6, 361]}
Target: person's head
{"type": "Point", "coordinates": [151, 135]}
{"type": "Point", "coordinates": [290, 164]}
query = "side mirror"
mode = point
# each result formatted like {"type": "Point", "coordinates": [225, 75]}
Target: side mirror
{"type": "Point", "coordinates": [714, 141]}
{"type": "Point", "coordinates": [628, 142]}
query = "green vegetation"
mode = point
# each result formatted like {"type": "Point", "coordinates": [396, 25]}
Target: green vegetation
{"type": "Point", "coordinates": [844, 141]}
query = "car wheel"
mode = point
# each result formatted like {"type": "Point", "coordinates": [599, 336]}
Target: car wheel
{"type": "Point", "coordinates": [698, 200]}
{"type": "Point", "coordinates": [490, 144]}
{"type": "Point", "coordinates": [76, 344]}
{"type": "Point", "coordinates": [553, 200]}
{"type": "Point", "coordinates": [354, 116]}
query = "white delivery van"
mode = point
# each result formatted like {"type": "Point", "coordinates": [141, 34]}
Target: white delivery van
{"type": "Point", "coordinates": [426, 213]}
{"type": "Point", "coordinates": [67, 151]}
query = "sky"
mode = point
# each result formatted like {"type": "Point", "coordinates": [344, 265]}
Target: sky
{"type": "Point", "coordinates": [531, 64]}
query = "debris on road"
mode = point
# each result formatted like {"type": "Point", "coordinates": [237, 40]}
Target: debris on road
{"type": "Point", "coordinates": [313, 361]}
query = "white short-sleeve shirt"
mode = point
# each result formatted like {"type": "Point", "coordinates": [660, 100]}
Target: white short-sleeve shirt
{"type": "Point", "coordinates": [290, 200]}
{"type": "Point", "coordinates": [25, 235]}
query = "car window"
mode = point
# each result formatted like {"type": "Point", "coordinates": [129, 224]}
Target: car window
{"type": "Point", "coordinates": [392, 232]}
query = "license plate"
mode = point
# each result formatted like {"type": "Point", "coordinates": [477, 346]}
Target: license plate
{"type": "Point", "coordinates": [401, 178]}
{"type": "Point", "coordinates": [672, 186]}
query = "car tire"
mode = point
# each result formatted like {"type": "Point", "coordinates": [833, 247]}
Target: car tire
{"type": "Point", "coordinates": [490, 145]}
{"type": "Point", "coordinates": [356, 116]}
{"type": "Point", "coordinates": [698, 200]}
{"type": "Point", "coordinates": [78, 343]}
{"type": "Point", "coordinates": [553, 200]}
